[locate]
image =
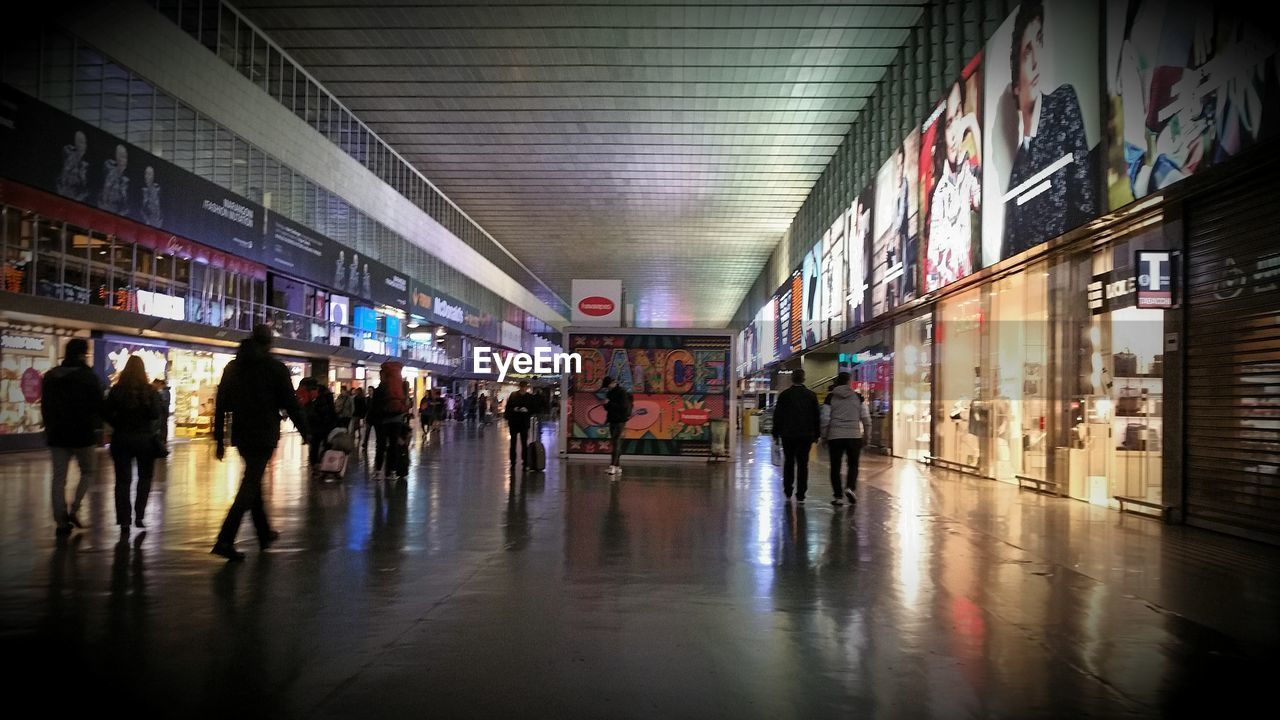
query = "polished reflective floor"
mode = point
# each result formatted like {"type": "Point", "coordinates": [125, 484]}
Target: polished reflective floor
{"type": "Point", "coordinates": [687, 590]}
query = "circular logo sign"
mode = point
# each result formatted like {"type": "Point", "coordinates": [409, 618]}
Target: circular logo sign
{"type": "Point", "coordinates": [31, 383]}
{"type": "Point", "coordinates": [694, 416]}
{"type": "Point", "coordinates": [595, 306]}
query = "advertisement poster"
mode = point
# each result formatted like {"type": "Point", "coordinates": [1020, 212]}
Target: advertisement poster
{"type": "Point", "coordinates": [782, 322]}
{"type": "Point", "coordinates": [811, 283]}
{"type": "Point", "coordinates": [1190, 84]}
{"type": "Point", "coordinates": [857, 244]}
{"type": "Point", "coordinates": [895, 245]}
{"type": "Point", "coordinates": [1041, 127]}
{"type": "Point", "coordinates": [833, 278]}
{"type": "Point", "coordinates": [679, 384]}
{"type": "Point", "coordinates": [56, 152]}
{"type": "Point", "coordinates": [950, 181]}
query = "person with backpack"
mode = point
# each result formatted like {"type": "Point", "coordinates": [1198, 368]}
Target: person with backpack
{"type": "Point", "coordinates": [617, 409]}
{"type": "Point", "coordinates": [388, 412]}
{"type": "Point", "coordinates": [71, 404]}
{"type": "Point", "coordinates": [846, 421]}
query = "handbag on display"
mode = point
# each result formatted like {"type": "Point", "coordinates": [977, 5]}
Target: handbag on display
{"type": "Point", "coordinates": [1157, 366]}
{"type": "Point", "coordinates": [1135, 437]}
{"type": "Point", "coordinates": [1129, 403]}
{"type": "Point", "coordinates": [1126, 364]}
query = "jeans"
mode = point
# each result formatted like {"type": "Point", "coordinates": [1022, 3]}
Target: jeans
{"type": "Point", "coordinates": [86, 458]}
{"type": "Point", "coordinates": [387, 448]}
{"type": "Point", "coordinates": [840, 448]}
{"type": "Point", "coordinates": [124, 450]}
{"type": "Point", "coordinates": [519, 439]}
{"type": "Point", "coordinates": [615, 432]}
{"type": "Point", "coordinates": [249, 498]}
{"type": "Point", "coordinates": [795, 466]}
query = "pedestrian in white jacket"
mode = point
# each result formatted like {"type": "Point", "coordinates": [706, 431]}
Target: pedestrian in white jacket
{"type": "Point", "coordinates": [846, 421]}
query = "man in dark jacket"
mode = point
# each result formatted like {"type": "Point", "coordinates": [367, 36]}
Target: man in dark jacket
{"type": "Point", "coordinates": [617, 408]}
{"type": "Point", "coordinates": [71, 409]}
{"type": "Point", "coordinates": [360, 404]}
{"type": "Point", "coordinates": [255, 387]}
{"type": "Point", "coordinates": [521, 407]}
{"type": "Point", "coordinates": [797, 423]}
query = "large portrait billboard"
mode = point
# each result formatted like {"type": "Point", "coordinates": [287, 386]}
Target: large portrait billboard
{"type": "Point", "coordinates": [811, 284]}
{"type": "Point", "coordinates": [1042, 127]}
{"type": "Point", "coordinates": [858, 241]}
{"type": "Point", "coordinates": [895, 237]}
{"type": "Point", "coordinates": [1190, 84]}
{"type": "Point", "coordinates": [950, 180]}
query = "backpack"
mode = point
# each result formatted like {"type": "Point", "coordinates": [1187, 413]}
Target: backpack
{"type": "Point", "coordinates": [394, 400]}
{"type": "Point", "coordinates": [628, 404]}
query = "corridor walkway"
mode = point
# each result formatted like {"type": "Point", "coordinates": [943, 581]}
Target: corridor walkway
{"type": "Point", "coordinates": [681, 591]}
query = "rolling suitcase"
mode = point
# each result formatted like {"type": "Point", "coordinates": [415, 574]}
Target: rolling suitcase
{"type": "Point", "coordinates": [535, 453]}
{"type": "Point", "coordinates": [333, 463]}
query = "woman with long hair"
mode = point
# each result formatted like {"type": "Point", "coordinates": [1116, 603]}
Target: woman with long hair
{"type": "Point", "coordinates": [131, 409]}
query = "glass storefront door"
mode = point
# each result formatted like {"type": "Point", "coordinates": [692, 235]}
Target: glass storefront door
{"type": "Point", "coordinates": [193, 380]}
{"type": "Point", "coordinates": [912, 394]}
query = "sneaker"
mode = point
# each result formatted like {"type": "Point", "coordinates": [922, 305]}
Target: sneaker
{"type": "Point", "coordinates": [613, 470]}
{"type": "Point", "coordinates": [800, 500]}
{"type": "Point", "coordinates": [848, 493]}
{"type": "Point", "coordinates": [269, 540]}
{"type": "Point", "coordinates": [227, 551]}
{"type": "Point", "coordinates": [837, 502]}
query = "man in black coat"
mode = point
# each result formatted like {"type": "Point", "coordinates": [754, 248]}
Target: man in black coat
{"type": "Point", "coordinates": [521, 407]}
{"type": "Point", "coordinates": [255, 387]}
{"type": "Point", "coordinates": [797, 423]}
{"type": "Point", "coordinates": [71, 410]}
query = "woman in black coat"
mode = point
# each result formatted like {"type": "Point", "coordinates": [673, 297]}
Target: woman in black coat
{"type": "Point", "coordinates": [132, 408]}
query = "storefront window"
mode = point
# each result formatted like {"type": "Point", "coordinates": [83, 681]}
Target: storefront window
{"type": "Point", "coordinates": [194, 377]}
{"type": "Point", "coordinates": [24, 359]}
{"type": "Point", "coordinates": [963, 403]}
{"type": "Point", "coordinates": [1109, 442]}
{"type": "Point", "coordinates": [48, 259]}
{"type": "Point", "coordinates": [1018, 352]}
{"type": "Point", "coordinates": [912, 396]}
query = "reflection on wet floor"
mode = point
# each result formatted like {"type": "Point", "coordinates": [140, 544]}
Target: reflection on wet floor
{"type": "Point", "coordinates": [687, 590]}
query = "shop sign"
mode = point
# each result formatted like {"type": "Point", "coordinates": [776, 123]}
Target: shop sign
{"type": "Point", "coordinates": [30, 343]}
{"type": "Point", "coordinates": [1111, 291]}
{"type": "Point", "coordinates": [444, 310]}
{"type": "Point", "coordinates": [695, 416]}
{"type": "Point", "coordinates": [1155, 279]}
{"type": "Point", "coordinates": [597, 302]}
{"type": "Point", "coordinates": [160, 305]}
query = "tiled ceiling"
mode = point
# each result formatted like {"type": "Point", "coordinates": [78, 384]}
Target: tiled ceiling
{"type": "Point", "coordinates": [665, 144]}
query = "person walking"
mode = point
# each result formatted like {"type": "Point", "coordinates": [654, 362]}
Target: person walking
{"type": "Point", "coordinates": [521, 407]}
{"type": "Point", "coordinates": [425, 412]}
{"type": "Point", "coordinates": [71, 410]}
{"type": "Point", "coordinates": [389, 409]}
{"type": "Point", "coordinates": [162, 422]}
{"type": "Point", "coordinates": [845, 425]}
{"type": "Point", "coordinates": [317, 405]}
{"type": "Point", "coordinates": [360, 408]}
{"type": "Point", "coordinates": [796, 424]}
{"type": "Point", "coordinates": [344, 407]}
{"type": "Point", "coordinates": [131, 409]}
{"type": "Point", "coordinates": [255, 387]}
{"type": "Point", "coordinates": [617, 408]}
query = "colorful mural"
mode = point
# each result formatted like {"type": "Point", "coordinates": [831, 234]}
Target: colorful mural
{"type": "Point", "coordinates": [679, 384]}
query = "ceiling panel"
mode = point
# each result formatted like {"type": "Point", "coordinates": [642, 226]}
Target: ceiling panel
{"type": "Point", "coordinates": [666, 145]}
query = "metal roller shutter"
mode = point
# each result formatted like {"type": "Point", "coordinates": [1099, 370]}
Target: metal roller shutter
{"type": "Point", "coordinates": [1233, 361]}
